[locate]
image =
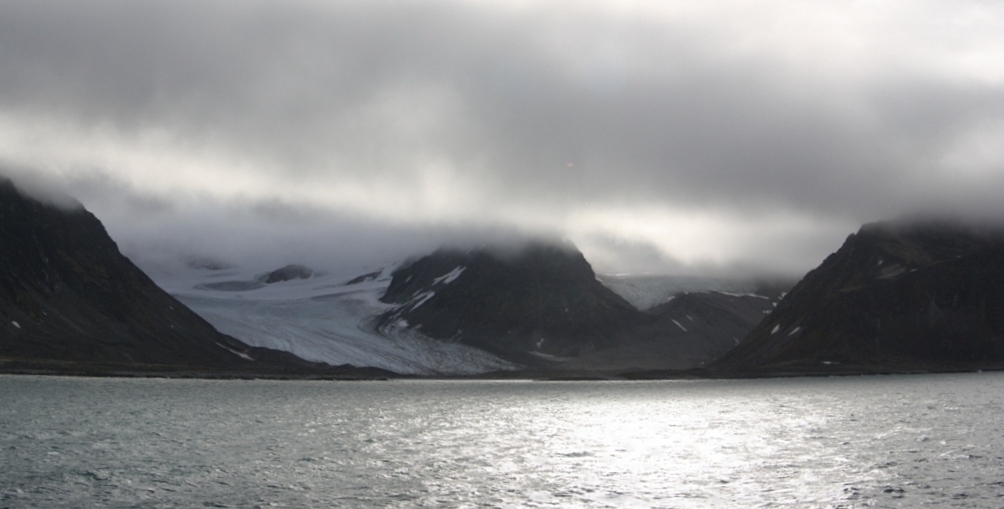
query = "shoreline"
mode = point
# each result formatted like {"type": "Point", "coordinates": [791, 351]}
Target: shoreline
{"type": "Point", "coordinates": [351, 373]}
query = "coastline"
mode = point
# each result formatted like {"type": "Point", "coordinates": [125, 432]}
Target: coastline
{"type": "Point", "coordinates": [352, 373]}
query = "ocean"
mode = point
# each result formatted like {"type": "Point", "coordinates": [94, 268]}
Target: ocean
{"type": "Point", "coordinates": [876, 441]}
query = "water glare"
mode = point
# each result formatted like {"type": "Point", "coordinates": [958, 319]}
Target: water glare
{"type": "Point", "coordinates": [903, 441]}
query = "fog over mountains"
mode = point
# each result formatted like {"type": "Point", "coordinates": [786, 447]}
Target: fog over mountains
{"type": "Point", "coordinates": [899, 296]}
{"type": "Point", "coordinates": [667, 137]}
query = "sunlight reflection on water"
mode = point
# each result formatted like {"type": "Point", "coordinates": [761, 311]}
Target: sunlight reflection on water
{"type": "Point", "coordinates": [887, 441]}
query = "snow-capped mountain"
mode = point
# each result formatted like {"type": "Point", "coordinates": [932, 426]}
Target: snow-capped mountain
{"type": "Point", "coordinates": [319, 317]}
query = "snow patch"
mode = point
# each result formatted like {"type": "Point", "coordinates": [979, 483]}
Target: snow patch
{"type": "Point", "coordinates": [449, 277]}
{"type": "Point", "coordinates": [730, 294]}
{"type": "Point", "coordinates": [775, 329]}
{"type": "Point", "coordinates": [15, 324]}
{"type": "Point", "coordinates": [549, 357]}
{"type": "Point", "coordinates": [421, 299]}
{"type": "Point", "coordinates": [242, 355]}
{"type": "Point", "coordinates": [684, 329]}
{"type": "Point", "coordinates": [795, 331]}
{"type": "Point", "coordinates": [891, 271]}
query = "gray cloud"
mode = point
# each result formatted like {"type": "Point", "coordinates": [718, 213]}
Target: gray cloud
{"type": "Point", "coordinates": [395, 119]}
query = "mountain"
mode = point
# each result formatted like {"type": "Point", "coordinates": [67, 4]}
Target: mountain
{"type": "Point", "coordinates": [528, 303]}
{"type": "Point", "coordinates": [541, 305]}
{"type": "Point", "coordinates": [70, 301]}
{"type": "Point", "coordinates": [714, 322]}
{"type": "Point", "coordinates": [897, 296]}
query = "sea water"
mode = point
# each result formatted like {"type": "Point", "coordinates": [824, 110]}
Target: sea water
{"type": "Point", "coordinates": [878, 441]}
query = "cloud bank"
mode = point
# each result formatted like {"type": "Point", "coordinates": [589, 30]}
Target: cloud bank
{"type": "Point", "coordinates": [659, 136]}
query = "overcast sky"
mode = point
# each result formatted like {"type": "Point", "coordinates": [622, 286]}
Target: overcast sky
{"type": "Point", "coordinates": [661, 136]}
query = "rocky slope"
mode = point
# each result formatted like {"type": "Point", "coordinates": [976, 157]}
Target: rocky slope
{"type": "Point", "coordinates": [896, 296]}
{"type": "Point", "coordinates": [69, 300]}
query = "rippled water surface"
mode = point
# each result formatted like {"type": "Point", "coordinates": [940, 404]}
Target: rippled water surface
{"type": "Point", "coordinates": [903, 441]}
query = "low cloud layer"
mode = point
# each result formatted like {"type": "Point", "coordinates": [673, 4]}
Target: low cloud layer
{"type": "Point", "coordinates": [659, 136]}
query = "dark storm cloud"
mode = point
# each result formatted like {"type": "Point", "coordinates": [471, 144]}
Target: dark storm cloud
{"type": "Point", "coordinates": [456, 115]}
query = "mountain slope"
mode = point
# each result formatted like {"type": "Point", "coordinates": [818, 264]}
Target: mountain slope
{"type": "Point", "coordinates": [895, 296]}
{"type": "Point", "coordinates": [68, 296]}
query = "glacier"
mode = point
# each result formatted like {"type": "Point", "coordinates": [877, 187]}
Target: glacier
{"type": "Point", "coordinates": [332, 318]}
{"type": "Point", "coordinates": [322, 318]}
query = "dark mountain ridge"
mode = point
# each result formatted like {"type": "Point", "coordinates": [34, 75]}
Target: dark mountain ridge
{"type": "Point", "coordinates": [896, 296]}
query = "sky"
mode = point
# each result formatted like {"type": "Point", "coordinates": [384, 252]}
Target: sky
{"type": "Point", "coordinates": [663, 136]}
